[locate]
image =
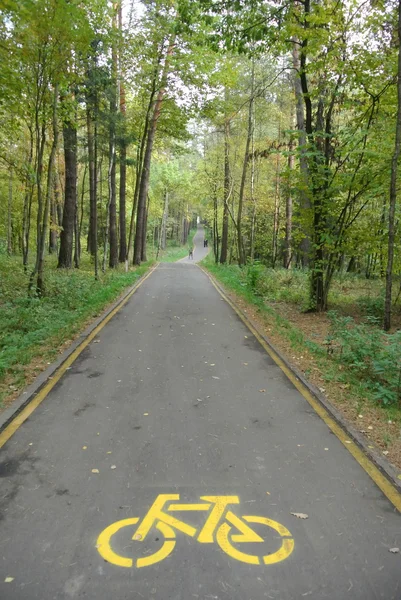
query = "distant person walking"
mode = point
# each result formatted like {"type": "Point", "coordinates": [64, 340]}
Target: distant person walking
{"type": "Point", "coordinates": [190, 253]}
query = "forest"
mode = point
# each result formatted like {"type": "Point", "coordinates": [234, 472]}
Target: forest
{"type": "Point", "coordinates": [277, 123]}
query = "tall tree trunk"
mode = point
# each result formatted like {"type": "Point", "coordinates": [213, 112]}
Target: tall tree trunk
{"type": "Point", "coordinates": [140, 233]}
{"type": "Point", "coordinates": [9, 214]}
{"type": "Point", "coordinates": [304, 200]}
{"type": "Point", "coordinates": [70, 195]}
{"type": "Point", "coordinates": [122, 203]}
{"type": "Point", "coordinates": [92, 233]}
{"type": "Point", "coordinates": [224, 234]}
{"type": "Point", "coordinates": [241, 248]}
{"type": "Point", "coordinates": [44, 213]}
{"type": "Point", "coordinates": [77, 236]}
{"type": "Point", "coordinates": [288, 208]}
{"type": "Point", "coordinates": [40, 140]}
{"type": "Point", "coordinates": [393, 190]}
{"type": "Point", "coordinates": [276, 214]}
{"type": "Point", "coordinates": [26, 220]}
{"type": "Point", "coordinates": [143, 253]}
{"type": "Point", "coordinates": [140, 155]}
{"type": "Point", "coordinates": [123, 157]}
{"type": "Point", "coordinates": [253, 199]}
{"type": "Point", "coordinates": [164, 222]}
{"type": "Point", "coordinates": [113, 259]}
{"type": "Point", "coordinates": [53, 236]}
{"type": "Point", "coordinates": [215, 226]}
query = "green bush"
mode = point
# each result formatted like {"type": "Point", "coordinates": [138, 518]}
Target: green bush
{"type": "Point", "coordinates": [371, 306]}
{"type": "Point", "coordinates": [371, 354]}
{"type": "Point", "coordinates": [32, 327]}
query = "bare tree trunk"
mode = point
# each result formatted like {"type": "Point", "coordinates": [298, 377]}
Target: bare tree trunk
{"type": "Point", "coordinates": [9, 214]}
{"type": "Point", "coordinates": [70, 195]}
{"type": "Point", "coordinates": [224, 234]}
{"type": "Point", "coordinates": [164, 222]}
{"type": "Point", "coordinates": [53, 236]}
{"type": "Point", "coordinates": [393, 190]}
{"type": "Point", "coordinates": [144, 239]}
{"type": "Point", "coordinates": [305, 204]}
{"type": "Point", "coordinates": [77, 236]}
{"type": "Point", "coordinates": [140, 155]}
{"type": "Point", "coordinates": [253, 199]}
{"type": "Point", "coordinates": [40, 135]}
{"type": "Point", "coordinates": [113, 259]}
{"type": "Point", "coordinates": [92, 234]}
{"type": "Point", "coordinates": [288, 208]}
{"type": "Point", "coordinates": [44, 213]}
{"type": "Point", "coordinates": [26, 220]}
{"type": "Point", "coordinates": [112, 208]}
{"type": "Point", "coordinates": [123, 157]}
{"type": "Point", "coordinates": [215, 226]}
{"type": "Point", "coordinates": [140, 233]}
{"type": "Point", "coordinates": [241, 249]}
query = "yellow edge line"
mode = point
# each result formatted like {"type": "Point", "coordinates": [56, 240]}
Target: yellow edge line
{"type": "Point", "coordinates": [365, 462]}
{"type": "Point", "coordinates": [46, 389]}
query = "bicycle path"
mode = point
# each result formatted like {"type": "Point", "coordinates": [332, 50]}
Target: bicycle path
{"type": "Point", "coordinates": [199, 251]}
{"type": "Point", "coordinates": [175, 396]}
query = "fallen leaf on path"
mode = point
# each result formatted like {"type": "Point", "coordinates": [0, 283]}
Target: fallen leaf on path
{"type": "Point", "coordinates": [245, 336]}
{"type": "Point", "coordinates": [398, 476]}
{"type": "Point", "coordinates": [268, 493]}
{"type": "Point", "coordinates": [95, 470]}
{"type": "Point", "coordinates": [145, 414]}
{"type": "Point", "coordinates": [96, 341]}
{"type": "Point", "coordinates": [385, 452]}
{"type": "Point", "coordinates": [212, 364]}
{"type": "Point", "coordinates": [326, 448]}
{"type": "Point", "coordinates": [113, 467]}
{"type": "Point", "coordinates": [8, 579]}
{"type": "Point", "coordinates": [214, 377]}
{"type": "Point", "coordinates": [360, 416]}
{"type": "Point", "coordinates": [348, 442]}
{"type": "Point", "coordinates": [300, 515]}
{"type": "Point", "coordinates": [370, 427]}
{"type": "Point", "coordinates": [371, 447]}
{"type": "Point", "coordinates": [109, 452]}
{"type": "Point", "coordinates": [30, 444]}
{"type": "Point", "coordinates": [246, 364]}
{"type": "Point", "coordinates": [84, 447]}
{"type": "Point", "coordinates": [262, 391]}
{"type": "Point", "coordinates": [394, 550]}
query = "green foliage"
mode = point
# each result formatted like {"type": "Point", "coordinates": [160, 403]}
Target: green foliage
{"type": "Point", "coordinates": [369, 360]}
{"type": "Point", "coordinates": [35, 328]}
{"type": "Point", "coordinates": [373, 356]}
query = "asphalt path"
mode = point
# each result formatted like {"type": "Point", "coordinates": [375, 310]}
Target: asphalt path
{"type": "Point", "coordinates": [199, 251]}
{"type": "Point", "coordinates": [176, 402]}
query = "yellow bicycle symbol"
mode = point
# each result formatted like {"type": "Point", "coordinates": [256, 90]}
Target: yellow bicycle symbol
{"type": "Point", "coordinates": [214, 529]}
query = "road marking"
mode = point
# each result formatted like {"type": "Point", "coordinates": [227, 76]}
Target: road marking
{"type": "Point", "coordinates": [364, 461]}
{"type": "Point", "coordinates": [22, 416]}
{"type": "Point", "coordinates": [217, 528]}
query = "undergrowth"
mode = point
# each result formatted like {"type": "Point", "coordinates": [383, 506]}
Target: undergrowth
{"type": "Point", "coordinates": [33, 328]}
{"type": "Point", "coordinates": [356, 354]}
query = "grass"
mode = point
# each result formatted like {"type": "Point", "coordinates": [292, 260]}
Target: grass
{"type": "Point", "coordinates": [333, 351]}
{"type": "Point", "coordinates": [33, 330]}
